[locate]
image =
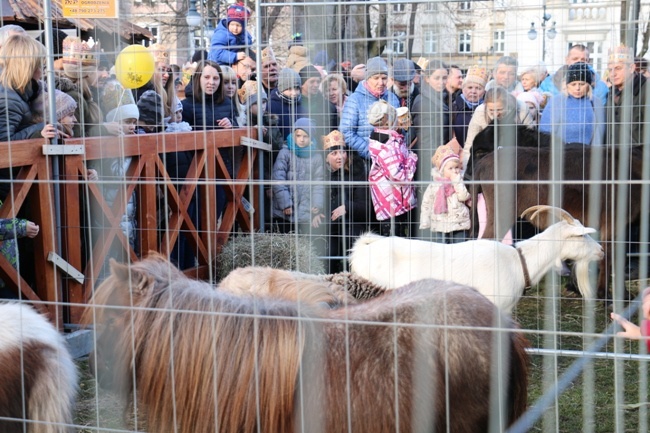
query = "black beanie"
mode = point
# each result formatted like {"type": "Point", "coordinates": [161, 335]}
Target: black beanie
{"type": "Point", "coordinates": [308, 72]}
{"type": "Point", "coordinates": [579, 72]}
{"type": "Point", "coordinates": [151, 109]}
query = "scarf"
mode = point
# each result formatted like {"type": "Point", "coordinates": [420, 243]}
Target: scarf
{"type": "Point", "coordinates": [291, 101]}
{"type": "Point", "coordinates": [372, 92]}
{"type": "Point", "coordinates": [300, 152]}
{"type": "Point", "coordinates": [446, 190]}
{"type": "Point", "coordinates": [471, 105]}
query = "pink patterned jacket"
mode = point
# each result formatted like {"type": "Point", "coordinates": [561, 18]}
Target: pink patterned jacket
{"type": "Point", "coordinates": [391, 175]}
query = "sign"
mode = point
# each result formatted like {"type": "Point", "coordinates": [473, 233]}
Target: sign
{"type": "Point", "coordinates": [89, 8]}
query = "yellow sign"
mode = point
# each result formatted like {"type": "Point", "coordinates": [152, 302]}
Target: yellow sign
{"type": "Point", "coordinates": [89, 8]}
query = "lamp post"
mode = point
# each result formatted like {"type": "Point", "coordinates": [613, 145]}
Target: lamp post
{"type": "Point", "coordinates": [193, 20]}
{"type": "Point", "coordinates": [532, 33]}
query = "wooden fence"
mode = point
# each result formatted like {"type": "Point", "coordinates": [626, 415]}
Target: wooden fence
{"type": "Point", "coordinates": [33, 196]}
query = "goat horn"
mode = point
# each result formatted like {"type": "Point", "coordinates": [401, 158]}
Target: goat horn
{"type": "Point", "coordinates": [558, 212]}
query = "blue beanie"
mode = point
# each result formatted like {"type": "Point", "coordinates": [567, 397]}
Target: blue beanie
{"type": "Point", "coordinates": [307, 125]}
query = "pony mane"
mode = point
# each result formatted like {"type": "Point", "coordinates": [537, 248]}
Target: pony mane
{"type": "Point", "coordinates": [186, 323]}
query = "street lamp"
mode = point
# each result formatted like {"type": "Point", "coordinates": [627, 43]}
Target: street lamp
{"type": "Point", "coordinates": [532, 33]}
{"type": "Point", "coordinates": [193, 18]}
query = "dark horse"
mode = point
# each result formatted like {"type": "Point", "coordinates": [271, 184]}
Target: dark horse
{"type": "Point", "coordinates": [431, 356]}
{"type": "Point", "coordinates": [530, 185]}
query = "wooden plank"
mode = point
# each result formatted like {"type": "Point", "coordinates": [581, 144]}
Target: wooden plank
{"type": "Point", "coordinates": [148, 216]}
{"type": "Point", "coordinates": [48, 281]}
{"type": "Point", "coordinates": [73, 170]}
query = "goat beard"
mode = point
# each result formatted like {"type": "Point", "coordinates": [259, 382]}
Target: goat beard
{"type": "Point", "coordinates": [582, 278]}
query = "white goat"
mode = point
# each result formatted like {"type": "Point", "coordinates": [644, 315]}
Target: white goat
{"type": "Point", "coordinates": [498, 271]}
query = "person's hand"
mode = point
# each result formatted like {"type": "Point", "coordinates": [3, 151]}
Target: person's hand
{"type": "Point", "coordinates": [241, 55]}
{"type": "Point", "coordinates": [630, 330]}
{"type": "Point", "coordinates": [315, 210]}
{"type": "Point", "coordinates": [338, 212]}
{"type": "Point", "coordinates": [91, 174]}
{"type": "Point", "coordinates": [288, 211]}
{"type": "Point", "coordinates": [358, 73]}
{"type": "Point", "coordinates": [113, 128]}
{"type": "Point", "coordinates": [32, 229]}
{"type": "Point", "coordinates": [51, 131]}
{"type": "Point", "coordinates": [317, 220]}
{"type": "Point", "coordinates": [224, 123]}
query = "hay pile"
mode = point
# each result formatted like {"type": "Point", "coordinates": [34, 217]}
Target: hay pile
{"type": "Point", "coordinates": [279, 251]}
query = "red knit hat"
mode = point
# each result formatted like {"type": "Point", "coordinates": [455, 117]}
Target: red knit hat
{"type": "Point", "coordinates": [238, 13]}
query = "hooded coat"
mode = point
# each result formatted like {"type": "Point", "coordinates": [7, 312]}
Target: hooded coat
{"type": "Point", "coordinates": [224, 46]}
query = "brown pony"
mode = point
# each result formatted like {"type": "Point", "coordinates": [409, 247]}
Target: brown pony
{"type": "Point", "coordinates": [196, 359]}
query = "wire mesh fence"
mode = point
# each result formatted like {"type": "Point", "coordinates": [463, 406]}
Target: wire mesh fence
{"type": "Point", "coordinates": [202, 216]}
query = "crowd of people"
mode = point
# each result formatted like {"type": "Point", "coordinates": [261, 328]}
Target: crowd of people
{"type": "Point", "coordinates": [378, 146]}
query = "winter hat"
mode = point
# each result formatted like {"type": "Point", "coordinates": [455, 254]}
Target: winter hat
{"type": "Point", "coordinates": [65, 104]}
{"type": "Point", "coordinates": [403, 70]}
{"type": "Point", "coordinates": [151, 109]}
{"type": "Point", "coordinates": [444, 154]}
{"type": "Point", "coordinates": [79, 59]}
{"type": "Point", "coordinates": [296, 40]}
{"type": "Point", "coordinates": [477, 75]}
{"type": "Point", "coordinates": [579, 72]}
{"type": "Point", "coordinates": [160, 53]}
{"type": "Point", "coordinates": [535, 98]}
{"type": "Point", "coordinates": [321, 58]}
{"type": "Point", "coordinates": [376, 65]}
{"type": "Point", "coordinates": [238, 13]}
{"type": "Point", "coordinates": [288, 79]}
{"type": "Point", "coordinates": [621, 54]}
{"type": "Point", "coordinates": [118, 103]}
{"type": "Point", "coordinates": [333, 141]}
{"type": "Point", "coordinates": [307, 125]}
{"type": "Point", "coordinates": [249, 94]}
{"type": "Point", "coordinates": [380, 109]}
{"type": "Point", "coordinates": [308, 72]}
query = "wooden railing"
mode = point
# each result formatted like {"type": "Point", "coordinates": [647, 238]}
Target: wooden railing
{"type": "Point", "coordinates": [148, 178]}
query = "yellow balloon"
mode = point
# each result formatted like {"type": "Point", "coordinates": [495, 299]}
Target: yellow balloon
{"type": "Point", "coordinates": [134, 66]}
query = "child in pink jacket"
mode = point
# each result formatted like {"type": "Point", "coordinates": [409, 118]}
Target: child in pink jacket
{"type": "Point", "coordinates": [391, 174]}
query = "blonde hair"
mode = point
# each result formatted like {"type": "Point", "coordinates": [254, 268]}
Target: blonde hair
{"type": "Point", "coordinates": [325, 84]}
{"type": "Point", "coordinates": [228, 73]}
{"type": "Point", "coordinates": [20, 58]}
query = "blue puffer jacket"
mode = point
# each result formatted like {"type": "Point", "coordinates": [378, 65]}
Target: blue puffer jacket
{"type": "Point", "coordinates": [224, 45]}
{"type": "Point", "coordinates": [354, 120]}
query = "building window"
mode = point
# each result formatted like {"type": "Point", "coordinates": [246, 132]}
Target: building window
{"type": "Point", "coordinates": [430, 42]}
{"type": "Point", "coordinates": [465, 41]}
{"type": "Point", "coordinates": [465, 6]}
{"type": "Point", "coordinates": [154, 32]}
{"type": "Point", "coordinates": [399, 42]}
{"type": "Point", "coordinates": [499, 41]}
{"type": "Point", "coordinates": [399, 7]}
{"type": "Point", "coordinates": [431, 7]}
